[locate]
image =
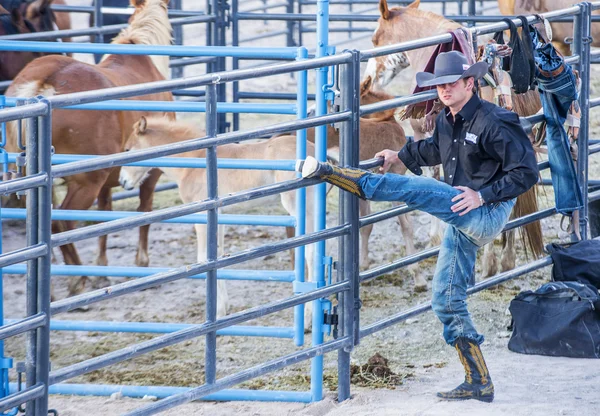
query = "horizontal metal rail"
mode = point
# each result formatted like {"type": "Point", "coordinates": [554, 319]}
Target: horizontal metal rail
{"type": "Point", "coordinates": [24, 183]}
{"type": "Point", "coordinates": [419, 309]}
{"type": "Point", "coordinates": [183, 162]}
{"type": "Point", "coordinates": [121, 289]}
{"type": "Point", "coordinates": [23, 254]}
{"type": "Point", "coordinates": [177, 106]}
{"type": "Point", "coordinates": [195, 331]}
{"type": "Point", "coordinates": [88, 215]}
{"type": "Point", "coordinates": [121, 10]}
{"type": "Point", "coordinates": [119, 159]}
{"type": "Point", "coordinates": [131, 271]}
{"type": "Point", "coordinates": [25, 111]}
{"type": "Point", "coordinates": [34, 392]}
{"type": "Point", "coordinates": [69, 33]}
{"type": "Point", "coordinates": [225, 382]}
{"type": "Point", "coordinates": [169, 50]}
{"type": "Point", "coordinates": [165, 328]}
{"type": "Point", "coordinates": [17, 327]}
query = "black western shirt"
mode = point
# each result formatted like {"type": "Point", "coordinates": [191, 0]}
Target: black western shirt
{"type": "Point", "coordinates": [483, 148]}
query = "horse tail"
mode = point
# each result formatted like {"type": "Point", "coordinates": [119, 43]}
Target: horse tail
{"type": "Point", "coordinates": [531, 234]}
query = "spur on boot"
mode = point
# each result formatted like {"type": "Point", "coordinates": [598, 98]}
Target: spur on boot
{"type": "Point", "coordinates": [478, 383]}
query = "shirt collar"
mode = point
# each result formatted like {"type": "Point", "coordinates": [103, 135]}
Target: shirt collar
{"type": "Point", "coordinates": [468, 110]}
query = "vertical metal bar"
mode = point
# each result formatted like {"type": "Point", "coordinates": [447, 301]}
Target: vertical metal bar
{"type": "Point", "coordinates": [44, 263]}
{"type": "Point", "coordinates": [460, 7]}
{"type": "Point", "coordinates": [290, 24]}
{"type": "Point", "coordinates": [584, 101]}
{"type": "Point", "coordinates": [349, 156]}
{"type": "Point", "coordinates": [32, 265]}
{"type": "Point", "coordinates": [220, 37]}
{"type": "Point", "coordinates": [301, 103]}
{"type": "Point", "coordinates": [472, 10]}
{"type": "Point", "coordinates": [177, 72]}
{"type": "Point", "coordinates": [316, 380]}
{"type": "Point", "coordinates": [209, 28]}
{"type": "Point", "coordinates": [212, 229]}
{"type": "Point", "coordinates": [235, 41]}
{"type": "Point", "coordinates": [300, 28]}
{"type": "Point", "coordinates": [98, 22]}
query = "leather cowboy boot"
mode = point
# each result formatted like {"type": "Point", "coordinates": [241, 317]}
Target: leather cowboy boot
{"type": "Point", "coordinates": [478, 383]}
{"type": "Point", "coordinates": [345, 178]}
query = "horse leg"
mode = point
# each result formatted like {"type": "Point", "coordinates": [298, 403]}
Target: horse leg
{"type": "Point", "coordinates": [104, 204]}
{"type": "Point", "coordinates": [289, 233]}
{"type": "Point", "coordinates": [420, 283]}
{"type": "Point", "coordinates": [508, 259]}
{"type": "Point", "coordinates": [79, 197]}
{"type": "Point", "coordinates": [436, 229]}
{"type": "Point", "coordinates": [490, 261]}
{"type": "Point", "coordinates": [146, 198]}
{"type": "Point", "coordinates": [364, 209]}
{"type": "Point", "coordinates": [222, 297]}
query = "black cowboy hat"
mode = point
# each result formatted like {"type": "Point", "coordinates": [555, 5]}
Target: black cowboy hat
{"type": "Point", "coordinates": [450, 67]}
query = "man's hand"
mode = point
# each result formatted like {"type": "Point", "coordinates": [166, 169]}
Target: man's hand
{"type": "Point", "coordinates": [389, 158]}
{"type": "Point", "coordinates": [468, 201]}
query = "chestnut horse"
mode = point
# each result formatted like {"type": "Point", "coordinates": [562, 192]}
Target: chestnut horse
{"type": "Point", "coordinates": [560, 30]}
{"type": "Point", "coordinates": [192, 183]}
{"type": "Point", "coordinates": [20, 16]}
{"type": "Point", "coordinates": [402, 24]}
{"type": "Point", "coordinates": [99, 132]}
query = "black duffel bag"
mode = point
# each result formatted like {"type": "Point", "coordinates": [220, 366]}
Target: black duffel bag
{"type": "Point", "coordinates": [558, 319]}
{"type": "Point", "coordinates": [576, 262]}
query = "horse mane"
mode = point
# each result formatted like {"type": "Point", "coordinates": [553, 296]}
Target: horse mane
{"type": "Point", "coordinates": [150, 25]}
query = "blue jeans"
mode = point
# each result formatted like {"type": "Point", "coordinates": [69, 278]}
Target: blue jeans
{"type": "Point", "coordinates": [456, 261]}
{"type": "Point", "coordinates": [557, 94]}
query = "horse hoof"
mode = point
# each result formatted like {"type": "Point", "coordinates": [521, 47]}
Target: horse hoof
{"type": "Point", "coordinates": [100, 282]}
{"type": "Point", "coordinates": [102, 261]}
{"type": "Point", "coordinates": [142, 262]}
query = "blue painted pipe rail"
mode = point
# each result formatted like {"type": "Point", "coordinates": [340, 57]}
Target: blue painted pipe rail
{"type": "Point", "coordinates": [166, 391]}
{"type": "Point", "coordinates": [176, 106]}
{"type": "Point", "coordinates": [164, 328]}
{"type": "Point", "coordinates": [183, 162]}
{"type": "Point", "coordinates": [170, 50]}
{"type": "Point", "coordinates": [102, 216]}
{"type": "Point", "coordinates": [124, 271]}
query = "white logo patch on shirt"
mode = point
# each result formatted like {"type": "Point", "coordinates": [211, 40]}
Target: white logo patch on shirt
{"type": "Point", "coordinates": [471, 138]}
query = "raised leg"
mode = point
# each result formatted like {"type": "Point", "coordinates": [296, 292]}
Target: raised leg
{"type": "Point", "coordinates": [146, 198]}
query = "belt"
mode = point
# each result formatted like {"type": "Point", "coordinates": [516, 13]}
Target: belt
{"type": "Point", "coordinates": [554, 73]}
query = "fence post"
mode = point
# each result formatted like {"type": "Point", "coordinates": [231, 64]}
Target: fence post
{"type": "Point", "coordinates": [177, 72]}
{"type": "Point", "coordinates": [316, 378]}
{"type": "Point", "coordinates": [349, 247]}
{"type": "Point", "coordinates": [235, 62]}
{"type": "Point", "coordinates": [212, 228]}
{"type": "Point", "coordinates": [290, 24]}
{"type": "Point", "coordinates": [583, 40]}
{"type": "Point", "coordinates": [98, 23]}
{"type": "Point", "coordinates": [44, 262]}
{"type": "Point", "coordinates": [300, 252]}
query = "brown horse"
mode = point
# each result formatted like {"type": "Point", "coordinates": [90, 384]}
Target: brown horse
{"type": "Point", "coordinates": [20, 16]}
{"type": "Point", "coordinates": [402, 24]}
{"type": "Point", "coordinates": [157, 131]}
{"type": "Point", "coordinates": [560, 31]}
{"type": "Point", "coordinates": [99, 132]}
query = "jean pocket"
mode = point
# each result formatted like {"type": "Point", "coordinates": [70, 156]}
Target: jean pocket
{"type": "Point", "coordinates": [563, 85]}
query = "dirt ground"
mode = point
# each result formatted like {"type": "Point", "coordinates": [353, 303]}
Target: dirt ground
{"type": "Point", "coordinates": [525, 385]}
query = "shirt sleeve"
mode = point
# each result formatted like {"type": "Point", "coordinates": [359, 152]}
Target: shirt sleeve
{"type": "Point", "coordinates": [421, 153]}
{"type": "Point", "coordinates": [510, 146]}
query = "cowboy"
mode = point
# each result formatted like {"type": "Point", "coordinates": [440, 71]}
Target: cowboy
{"type": "Point", "coordinates": [488, 161]}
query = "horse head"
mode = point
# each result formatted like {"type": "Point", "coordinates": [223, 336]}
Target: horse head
{"type": "Point", "coordinates": [131, 177]}
{"type": "Point", "coordinates": [41, 15]}
{"type": "Point", "coordinates": [13, 22]}
{"type": "Point", "coordinates": [384, 68]}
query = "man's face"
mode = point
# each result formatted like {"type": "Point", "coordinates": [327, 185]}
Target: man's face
{"type": "Point", "coordinates": [456, 92]}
